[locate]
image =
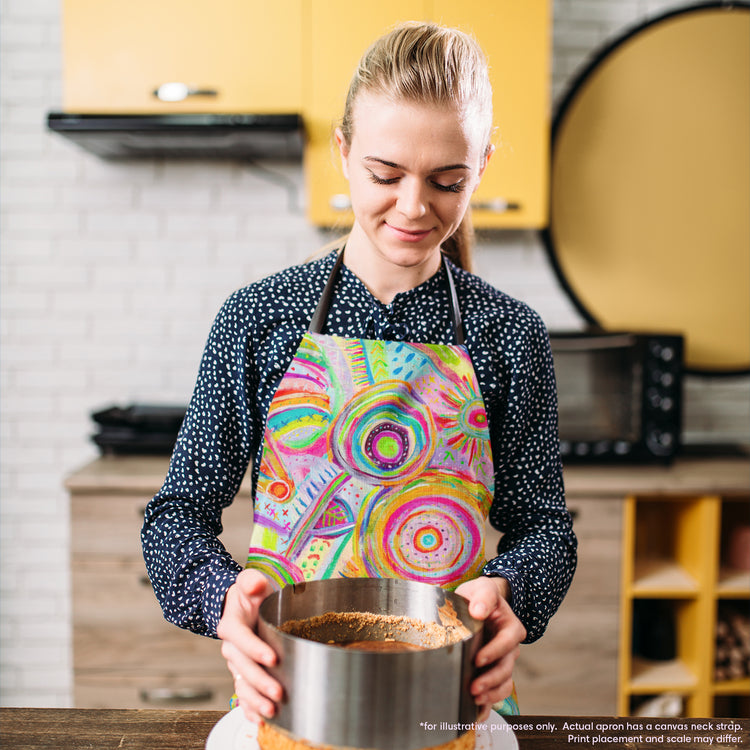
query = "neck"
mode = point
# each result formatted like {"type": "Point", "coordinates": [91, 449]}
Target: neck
{"type": "Point", "coordinates": [383, 276]}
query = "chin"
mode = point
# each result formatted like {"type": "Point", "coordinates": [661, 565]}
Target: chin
{"type": "Point", "coordinates": [409, 255]}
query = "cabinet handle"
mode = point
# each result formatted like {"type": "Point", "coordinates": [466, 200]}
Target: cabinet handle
{"type": "Point", "coordinates": [177, 92]}
{"type": "Point", "coordinates": [496, 205]}
{"type": "Point", "coordinates": [177, 695]}
{"type": "Point", "coordinates": [340, 202]}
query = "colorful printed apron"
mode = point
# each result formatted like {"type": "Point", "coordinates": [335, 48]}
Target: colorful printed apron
{"type": "Point", "coordinates": [376, 461]}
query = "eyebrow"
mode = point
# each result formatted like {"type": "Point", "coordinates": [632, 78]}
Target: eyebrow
{"type": "Point", "coordinates": [393, 165]}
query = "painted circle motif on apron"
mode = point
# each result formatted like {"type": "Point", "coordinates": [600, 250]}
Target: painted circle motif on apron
{"type": "Point", "coordinates": [385, 434]}
{"type": "Point", "coordinates": [431, 530]}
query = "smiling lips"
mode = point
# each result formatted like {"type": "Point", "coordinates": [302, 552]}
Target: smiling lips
{"type": "Point", "coordinates": [409, 235]}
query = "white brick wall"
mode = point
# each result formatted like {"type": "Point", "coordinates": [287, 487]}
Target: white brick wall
{"type": "Point", "coordinates": [111, 275]}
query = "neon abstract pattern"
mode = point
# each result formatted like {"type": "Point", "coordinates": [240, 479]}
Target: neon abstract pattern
{"type": "Point", "coordinates": [376, 463]}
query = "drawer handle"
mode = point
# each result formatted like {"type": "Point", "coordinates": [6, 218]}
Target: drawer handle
{"type": "Point", "coordinates": [177, 92]}
{"type": "Point", "coordinates": [177, 695]}
{"type": "Point", "coordinates": [496, 205]}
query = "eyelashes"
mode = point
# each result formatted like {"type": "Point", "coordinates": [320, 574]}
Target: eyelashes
{"type": "Point", "coordinates": [455, 187]}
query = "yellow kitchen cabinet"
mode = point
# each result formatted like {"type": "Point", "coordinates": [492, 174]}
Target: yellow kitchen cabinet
{"type": "Point", "coordinates": [676, 569]}
{"type": "Point", "coordinates": [340, 31]}
{"type": "Point", "coordinates": [516, 38]}
{"type": "Point", "coordinates": [239, 56]}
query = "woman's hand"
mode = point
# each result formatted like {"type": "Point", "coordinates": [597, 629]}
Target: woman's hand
{"type": "Point", "coordinates": [245, 652]}
{"type": "Point", "coordinates": [488, 601]}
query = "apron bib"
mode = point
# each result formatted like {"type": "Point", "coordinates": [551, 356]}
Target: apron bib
{"type": "Point", "coordinates": [376, 461]}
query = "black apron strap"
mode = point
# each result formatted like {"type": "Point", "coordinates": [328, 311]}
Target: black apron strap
{"type": "Point", "coordinates": [321, 311]}
{"type": "Point", "coordinates": [318, 320]}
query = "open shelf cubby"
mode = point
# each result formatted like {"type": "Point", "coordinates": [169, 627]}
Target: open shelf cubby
{"type": "Point", "coordinates": [680, 586]}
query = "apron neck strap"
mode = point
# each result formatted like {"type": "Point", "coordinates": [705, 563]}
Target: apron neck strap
{"type": "Point", "coordinates": [321, 311]}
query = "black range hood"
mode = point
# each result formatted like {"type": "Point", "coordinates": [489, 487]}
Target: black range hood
{"type": "Point", "coordinates": [216, 136]}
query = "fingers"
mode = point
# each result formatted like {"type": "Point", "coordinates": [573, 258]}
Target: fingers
{"type": "Point", "coordinates": [484, 595]}
{"type": "Point", "coordinates": [508, 633]}
{"type": "Point", "coordinates": [247, 654]}
{"type": "Point", "coordinates": [239, 638]}
{"type": "Point", "coordinates": [497, 657]}
{"type": "Point", "coordinates": [495, 683]}
{"type": "Point", "coordinates": [487, 700]}
{"type": "Point", "coordinates": [258, 692]}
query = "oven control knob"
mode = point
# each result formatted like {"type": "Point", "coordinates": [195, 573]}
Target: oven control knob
{"type": "Point", "coordinates": [602, 447]}
{"type": "Point", "coordinates": [667, 379]}
{"type": "Point", "coordinates": [582, 449]}
{"type": "Point", "coordinates": [660, 443]}
{"type": "Point", "coordinates": [622, 447]}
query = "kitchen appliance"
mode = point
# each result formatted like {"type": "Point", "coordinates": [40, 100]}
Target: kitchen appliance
{"type": "Point", "coordinates": [218, 136]}
{"type": "Point", "coordinates": [141, 429]}
{"type": "Point", "coordinates": [374, 699]}
{"type": "Point", "coordinates": [619, 394]}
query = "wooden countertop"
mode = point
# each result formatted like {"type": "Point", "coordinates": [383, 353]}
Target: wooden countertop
{"type": "Point", "coordinates": [133, 729]}
{"type": "Point", "coordinates": [689, 475]}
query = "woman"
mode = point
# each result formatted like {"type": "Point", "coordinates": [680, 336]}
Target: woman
{"type": "Point", "coordinates": [381, 444]}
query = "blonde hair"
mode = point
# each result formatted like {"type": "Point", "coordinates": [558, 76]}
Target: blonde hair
{"type": "Point", "coordinates": [428, 64]}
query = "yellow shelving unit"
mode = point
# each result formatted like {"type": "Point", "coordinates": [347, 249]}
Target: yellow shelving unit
{"type": "Point", "coordinates": [674, 558]}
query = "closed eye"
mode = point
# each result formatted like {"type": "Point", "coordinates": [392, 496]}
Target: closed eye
{"type": "Point", "coordinates": [455, 187]}
{"type": "Point", "coordinates": [378, 180]}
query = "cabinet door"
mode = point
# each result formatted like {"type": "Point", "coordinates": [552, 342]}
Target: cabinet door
{"type": "Point", "coordinates": [340, 31]}
{"type": "Point", "coordinates": [116, 54]}
{"type": "Point", "coordinates": [515, 36]}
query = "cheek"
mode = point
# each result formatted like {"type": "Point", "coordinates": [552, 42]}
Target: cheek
{"type": "Point", "coordinates": [454, 207]}
{"type": "Point", "coordinates": [368, 198]}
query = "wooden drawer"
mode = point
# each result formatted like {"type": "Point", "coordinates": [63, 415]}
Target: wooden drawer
{"type": "Point", "coordinates": [572, 669]}
{"type": "Point", "coordinates": [125, 653]}
{"type": "Point", "coordinates": [108, 526]}
{"type": "Point", "coordinates": [113, 690]}
{"type": "Point", "coordinates": [154, 649]}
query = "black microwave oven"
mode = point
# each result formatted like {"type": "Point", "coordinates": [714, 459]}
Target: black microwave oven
{"type": "Point", "coordinates": [619, 395]}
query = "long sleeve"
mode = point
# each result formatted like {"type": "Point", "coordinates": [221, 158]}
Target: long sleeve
{"type": "Point", "coordinates": [189, 568]}
{"type": "Point", "coordinates": [537, 552]}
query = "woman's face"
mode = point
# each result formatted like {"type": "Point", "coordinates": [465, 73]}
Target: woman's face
{"type": "Point", "coordinates": [412, 169]}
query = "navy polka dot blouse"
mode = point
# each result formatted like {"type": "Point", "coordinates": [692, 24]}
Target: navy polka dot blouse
{"type": "Point", "coordinates": [250, 347]}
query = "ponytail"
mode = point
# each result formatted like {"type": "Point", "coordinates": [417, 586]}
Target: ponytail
{"type": "Point", "coordinates": [460, 245]}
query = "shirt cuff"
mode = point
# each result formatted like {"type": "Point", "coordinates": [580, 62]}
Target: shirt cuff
{"type": "Point", "coordinates": [213, 598]}
{"type": "Point", "coordinates": [517, 601]}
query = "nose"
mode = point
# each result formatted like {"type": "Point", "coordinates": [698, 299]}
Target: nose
{"type": "Point", "coordinates": [412, 201]}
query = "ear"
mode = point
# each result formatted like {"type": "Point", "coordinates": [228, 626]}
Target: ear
{"type": "Point", "coordinates": [483, 165]}
{"type": "Point", "coordinates": [343, 150]}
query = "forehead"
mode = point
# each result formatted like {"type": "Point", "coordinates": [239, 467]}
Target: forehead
{"type": "Point", "coordinates": [395, 130]}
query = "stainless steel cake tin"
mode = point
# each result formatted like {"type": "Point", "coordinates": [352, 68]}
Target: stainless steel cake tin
{"type": "Point", "coordinates": [364, 699]}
